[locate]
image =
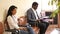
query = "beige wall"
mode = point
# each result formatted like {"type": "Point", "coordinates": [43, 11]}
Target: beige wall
{"type": "Point", "coordinates": [22, 5]}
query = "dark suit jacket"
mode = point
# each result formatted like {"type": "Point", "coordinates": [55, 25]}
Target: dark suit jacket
{"type": "Point", "coordinates": [31, 17]}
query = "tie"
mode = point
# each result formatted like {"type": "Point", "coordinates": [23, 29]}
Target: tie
{"type": "Point", "coordinates": [37, 15]}
{"type": "Point", "coordinates": [41, 15]}
{"type": "Point", "coordinates": [38, 18]}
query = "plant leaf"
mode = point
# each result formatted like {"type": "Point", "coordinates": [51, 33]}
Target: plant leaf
{"type": "Point", "coordinates": [54, 13]}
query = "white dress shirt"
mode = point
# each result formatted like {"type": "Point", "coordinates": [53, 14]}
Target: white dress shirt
{"type": "Point", "coordinates": [35, 13]}
{"type": "Point", "coordinates": [12, 22]}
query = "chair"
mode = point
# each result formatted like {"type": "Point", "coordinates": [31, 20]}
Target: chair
{"type": "Point", "coordinates": [1, 28]}
{"type": "Point", "coordinates": [8, 30]}
{"type": "Point", "coordinates": [50, 19]}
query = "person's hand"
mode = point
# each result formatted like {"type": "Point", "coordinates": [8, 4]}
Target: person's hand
{"type": "Point", "coordinates": [38, 20]}
{"type": "Point", "coordinates": [20, 28]}
{"type": "Point", "coordinates": [23, 28]}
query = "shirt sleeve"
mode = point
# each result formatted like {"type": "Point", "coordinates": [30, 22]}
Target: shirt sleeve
{"type": "Point", "coordinates": [12, 23]}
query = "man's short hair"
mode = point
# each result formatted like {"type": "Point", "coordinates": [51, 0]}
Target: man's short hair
{"type": "Point", "coordinates": [34, 4]}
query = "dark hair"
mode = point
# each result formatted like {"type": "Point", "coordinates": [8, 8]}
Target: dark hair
{"type": "Point", "coordinates": [11, 9]}
{"type": "Point", "coordinates": [34, 4]}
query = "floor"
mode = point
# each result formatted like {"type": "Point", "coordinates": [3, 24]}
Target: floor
{"type": "Point", "coordinates": [49, 30]}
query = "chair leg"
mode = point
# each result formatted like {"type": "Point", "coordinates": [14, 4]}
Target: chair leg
{"type": "Point", "coordinates": [13, 33]}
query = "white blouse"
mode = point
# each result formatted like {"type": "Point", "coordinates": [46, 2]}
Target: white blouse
{"type": "Point", "coordinates": [12, 22]}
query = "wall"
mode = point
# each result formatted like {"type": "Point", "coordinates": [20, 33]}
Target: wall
{"type": "Point", "coordinates": [22, 5]}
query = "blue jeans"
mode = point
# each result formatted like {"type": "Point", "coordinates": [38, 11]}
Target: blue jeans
{"type": "Point", "coordinates": [23, 32]}
{"type": "Point", "coordinates": [30, 30]}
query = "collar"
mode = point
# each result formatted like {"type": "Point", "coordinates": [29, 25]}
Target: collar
{"type": "Point", "coordinates": [33, 9]}
{"type": "Point", "coordinates": [13, 16]}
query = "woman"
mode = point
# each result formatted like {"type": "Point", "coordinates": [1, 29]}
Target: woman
{"type": "Point", "coordinates": [12, 20]}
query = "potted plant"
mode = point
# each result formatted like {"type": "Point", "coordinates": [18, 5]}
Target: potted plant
{"type": "Point", "coordinates": [57, 11]}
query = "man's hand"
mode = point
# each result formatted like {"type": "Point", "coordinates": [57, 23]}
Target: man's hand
{"type": "Point", "coordinates": [38, 20]}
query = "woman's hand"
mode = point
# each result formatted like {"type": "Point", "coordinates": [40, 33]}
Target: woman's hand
{"type": "Point", "coordinates": [23, 28]}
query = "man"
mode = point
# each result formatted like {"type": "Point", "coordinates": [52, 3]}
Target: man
{"type": "Point", "coordinates": [34, 20]}
{"type": "Point", "coordinates": [23, 23]}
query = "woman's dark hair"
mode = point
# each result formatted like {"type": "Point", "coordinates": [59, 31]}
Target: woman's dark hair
{"type": "Point", "coordinates": [11, 8]}
{"type": "Point", "coordinates": [34, 4]}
